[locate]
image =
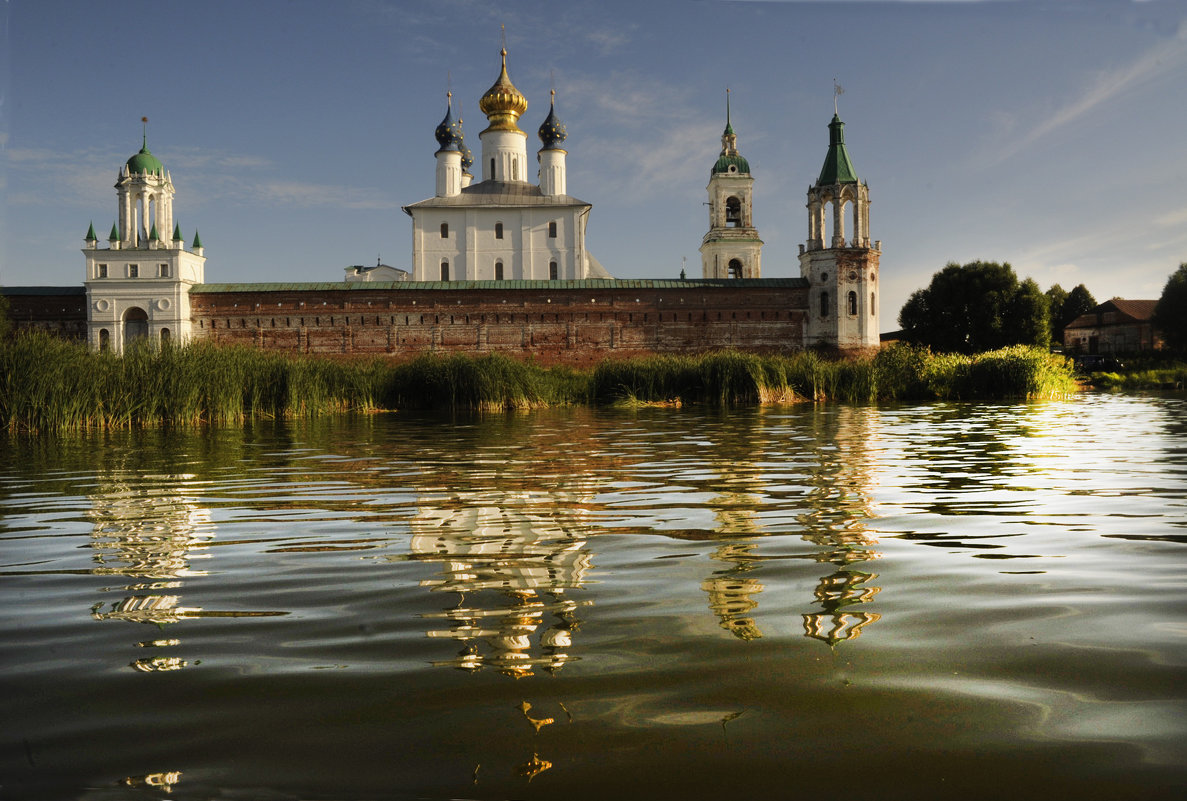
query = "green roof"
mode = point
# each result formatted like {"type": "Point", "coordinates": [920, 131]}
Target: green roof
{"type": "Point", "coordinates": [563, 285]}
{"type": "Point", "coordinates": [197, 240]}
{"type": "Point", "coordinates": [114, 236]}
{"type": "Point", "coordinates": [177, 232]}
{"type": "Point", "coordinates": [91, 233]}
{"type": "Point", "coordinates": [153, 236]}
{"type": "Point", "coordinates": [725, 162]}
{"type": "Point", "coordinates": [838, 169]}
{"type": "Point", "coordinates": [146, 162]}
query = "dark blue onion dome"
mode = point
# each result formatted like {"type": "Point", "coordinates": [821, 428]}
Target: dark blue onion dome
{"type": "Point", "coordinates": [552, 131]}
{"type": "Point", "coordinates": [449, 133]}
{"type": "Point", "coordinates": [467, 156]}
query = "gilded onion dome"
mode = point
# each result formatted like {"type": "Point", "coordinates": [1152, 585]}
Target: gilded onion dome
{"type": "Point", "coordinates": [503, 103]}
{"type": "Point", "coordinates": [449, 133]}
{"type": "Point", "coordinates": [552, 131]}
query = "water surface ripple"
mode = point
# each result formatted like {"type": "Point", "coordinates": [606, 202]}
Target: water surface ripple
{"type": "Point", "coordinates": [907, 601]}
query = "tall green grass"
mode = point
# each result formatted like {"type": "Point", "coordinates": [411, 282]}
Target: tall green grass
{"type": "Point", "coordinates": [48, 384]}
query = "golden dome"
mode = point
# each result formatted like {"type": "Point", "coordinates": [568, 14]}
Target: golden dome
{"type": "Point", "coordinates": [503, 103]}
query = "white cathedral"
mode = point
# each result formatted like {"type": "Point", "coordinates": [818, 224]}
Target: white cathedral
{"type": "Point", "coordinates": [504, 227]}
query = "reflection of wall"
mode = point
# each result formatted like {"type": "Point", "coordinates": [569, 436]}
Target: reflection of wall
{"type": "Point", "coordinates": [511, 565]}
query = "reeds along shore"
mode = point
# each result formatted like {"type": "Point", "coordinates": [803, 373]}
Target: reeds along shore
{"type": "Point", "coordinates": [47, 384]}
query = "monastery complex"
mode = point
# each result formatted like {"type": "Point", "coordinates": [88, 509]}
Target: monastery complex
{"type": "Point", "coordinates": [499, 264]}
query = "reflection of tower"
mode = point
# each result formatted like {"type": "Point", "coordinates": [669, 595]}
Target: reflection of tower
{"type": "Point", "coordinates": [149, 532]}
{"type": "Point", "coordinates": [840, 505]}
{"type": "Point", "coordinates": [731, 592]}
{"type": "Point", "coordinates": [511, 565]}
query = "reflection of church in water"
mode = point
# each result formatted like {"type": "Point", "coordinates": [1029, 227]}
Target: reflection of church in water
{"type": "Point", "coordinates": [152, 530]}
{"type": "Point", "coordinates": [837, 504]}
{"type": "Point", "coordinates": [511, 562]}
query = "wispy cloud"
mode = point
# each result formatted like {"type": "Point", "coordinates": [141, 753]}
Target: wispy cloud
{"type": "Point", "coordinates": [1165, 57]}
{"type": "Point", "coordinates": [308, 195]}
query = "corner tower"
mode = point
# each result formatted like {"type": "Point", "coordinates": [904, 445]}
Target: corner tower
{"type": "Point", "coordinates": [842, 271]}
{"type": "Point", "coordinates": [731, 248]}
{"type": "Point", "coordinates": [139, 286]}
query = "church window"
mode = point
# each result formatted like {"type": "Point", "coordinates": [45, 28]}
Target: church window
{"type": "Point", "coordinates": [498, 271]}
{"type": "Point", "coordinates": [445, 230]}
{"type": "Point", "coordinates": [872, 306]}
{"type": "Point", "coordinates": [552, 230]}
{"type": "Point", "coordinates": [733, 212]}
{"type": "Point", "coordinates": [492, 168]}
{"type": "Point", "coordinates": [163, 270]}
{"type": "Point", "coordinates": [100, 270]}
{"type": "Point", "coordinates": [164, 336]}
{"type": "Point", "coordinates": [824, 304]}
{"type": "Point", "coordinates": [553, 271]}
{"type": "Point", "coordinates": [133, 270]}
{"type": "Point", "coordinates": [498, 230]}
{"type": "Point", "coordinates": [514, 168]}
{"type": "Point", "coordinates": [852, 303]}
{"type": "Point", "coordinates": [444, 270]}
{"type": "Point", "coordinates": [104, 339]}
{"type": "Point", "coordinates": [735, 268]}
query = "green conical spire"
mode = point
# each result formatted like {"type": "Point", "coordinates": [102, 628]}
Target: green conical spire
{"type": "Point", "coordinates": [838, 169]}
{"type": "Point", "coordinates": [197, 240]}
{"type": "Point", "coordinates": [153, 236]}
{"type": "Point", "coordinates": [114, 236]}
{"type": "Point", "coordinates": [91, 233]}
{"type": "Point", "coordinates": [177, 232]}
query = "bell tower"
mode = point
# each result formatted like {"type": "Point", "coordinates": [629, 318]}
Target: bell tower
{"type": "Point", "coordinates": [841, 267]}
{"type": "Point", "coordinates": [138, 287]}
{"type": "Point", "coordinates": [731, 248]}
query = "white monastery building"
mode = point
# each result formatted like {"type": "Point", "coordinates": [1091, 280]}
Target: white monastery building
{"type": "Point", "coordinates": [139, 285]}
{"type": "Point", "coordinates": [504, 227]}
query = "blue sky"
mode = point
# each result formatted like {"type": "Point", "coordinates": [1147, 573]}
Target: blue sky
{"type": "Point", "coordinates": [1046, 134]}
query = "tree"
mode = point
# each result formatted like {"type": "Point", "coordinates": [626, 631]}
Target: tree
{"type": "Point", "coordinates": [975, 307]}
{"type": "Point", "coordinates": [1079, 301]}
{"type": "Point", "coordinates": [1056, 297]}
{"type": "Point", "coordinates": [1170, 313]}
{"type": "Point", "coordinates": [5, 320]}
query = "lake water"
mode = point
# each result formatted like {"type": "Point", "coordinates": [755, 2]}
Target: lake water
{"type": "Point", "coordinates": [908, 601]}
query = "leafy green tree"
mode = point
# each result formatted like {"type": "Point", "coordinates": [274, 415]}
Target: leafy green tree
{"type": "Point", "coordinates": [1170, 313]}
{"type": "Point", "coordinates": [976, 307]}
{"type": "Point", "coordinates": [1056, 296]}
{"type": "Point", "coordinates": [1079, 301]}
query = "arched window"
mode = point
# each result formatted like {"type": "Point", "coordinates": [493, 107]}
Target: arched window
{"type": "Point", "coordinates": [498, 271]}
{"type": "Point", "coordinates": [514, 168]}
{"type": "Point", "coordinates": [872, 306]}
{"type": "Point", "coordinates": [733, 212]}
{"type": "Point", "coordinates": [852, 303]}
{"type": "Point", "coordinates": [498, 230]}
{"type": "Point", "coordinates": [552, 230]}
{"type": "Point", "coordinates": [164, 336]}
{"type": "Point", "coordinates": [104, 339]}
{"type": "Point", "coordinates": [824, 304]}
{"type": "Point", "coordinates": [445, 230]}
{"type": "Point", "coordinates": [553, 271]}
{"type": "Point", "coordinates": [492, 168]}
{"type": "Point", "coordinates": [444, 270]}
{"type": "Point", "coordinates": [735, 268]}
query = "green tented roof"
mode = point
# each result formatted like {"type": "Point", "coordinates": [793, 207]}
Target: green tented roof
{"type": "Point", "coordinates": [838, 169]}
{"type": "Point", "coordinates": [91, 233]}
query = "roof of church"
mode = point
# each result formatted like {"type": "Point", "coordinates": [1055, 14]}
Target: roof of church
{"type": "Point", "coordinates": [145, 161]}
{"type": "Point", "coordinates": [578, 284]}
{"type": "Point", "coordinates": [838, 169]}
{"type": "Point", "coordinates": [498, 193]}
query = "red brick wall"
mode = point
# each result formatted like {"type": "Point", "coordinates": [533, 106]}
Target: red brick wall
{"type": "Point", "coordinates": [63, 314]}
{"type": "Point", "coordinates": [571, 326]}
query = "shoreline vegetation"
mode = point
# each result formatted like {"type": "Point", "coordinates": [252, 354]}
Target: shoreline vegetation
{"type": "Point", "coordinates": [48, 384]}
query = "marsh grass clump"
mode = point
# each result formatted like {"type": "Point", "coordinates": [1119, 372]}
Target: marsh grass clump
{"type": "Point", "coordinates": [48, 384]}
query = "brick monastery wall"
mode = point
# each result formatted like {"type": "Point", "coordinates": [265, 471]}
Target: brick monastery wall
{"type": "Point", "coordinates": [61, 311]}
{"type": "Point", "coordinates": [557, 324]}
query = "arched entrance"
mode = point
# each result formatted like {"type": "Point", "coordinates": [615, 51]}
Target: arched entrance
{"type": "Point", "coordinates": [735, 268]}
{"type": "Point", "coordinates": [135, 325]}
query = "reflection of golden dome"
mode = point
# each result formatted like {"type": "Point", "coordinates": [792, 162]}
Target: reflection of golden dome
{"type": "Point", "coordinates": [503, 103]}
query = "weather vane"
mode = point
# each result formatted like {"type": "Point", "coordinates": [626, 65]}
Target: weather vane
{"type": "Point", "coordinates": [838, 90]}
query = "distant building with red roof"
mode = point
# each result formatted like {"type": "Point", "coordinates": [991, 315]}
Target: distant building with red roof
{"type": "Point", "coordinates": [1115, 326]}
